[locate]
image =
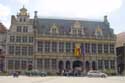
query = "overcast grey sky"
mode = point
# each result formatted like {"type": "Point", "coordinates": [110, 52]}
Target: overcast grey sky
{"type": "Point", "coordinates": [83, 9]}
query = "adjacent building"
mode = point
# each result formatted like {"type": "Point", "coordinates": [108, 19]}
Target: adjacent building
{"type": "Point", "coordinates": [55, 45]}
{"type": "Point", "coordinates": [19, 52]}
{"type": "Point", "coordinates": [120, 49]}
{"type": "Point", "coordinates": [3, 32]}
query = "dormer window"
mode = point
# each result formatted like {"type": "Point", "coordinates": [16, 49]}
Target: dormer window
{"type": "Point", "coordinates": [54, 29]}
{"type": "Point", "coordinates": [77, 29]}
{"type": "Point", "coordinates": [98, 31]}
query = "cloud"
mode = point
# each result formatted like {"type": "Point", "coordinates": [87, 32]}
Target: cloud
{"type": "Point", "coordinates": [24, 2]}
{"type": "Point", "coordinates": [76, 8]}
{"type": "Point", "coordinates": [4, 15]}
{"type": "Point", "coordinates": [4, 10]}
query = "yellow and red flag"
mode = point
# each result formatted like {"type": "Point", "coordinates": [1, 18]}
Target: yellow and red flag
{"type": "Point", "coordinates": [77, 50]}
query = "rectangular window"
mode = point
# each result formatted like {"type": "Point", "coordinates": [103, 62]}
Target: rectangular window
{"type": "Point", "coordinates": [18, 50]}
{"type": "Point", "coordinates": [12, 38]}
{"type": "Point", "coordinates": [30, 50]}
{"type": "Point", "coordinates": [99, 48]}
{"type": "Point", "coordinates": [100, 65]}
{"type": "Point", "coordinates": [47, 64]}
{"type": "Point", "coordinates": [30, 39]}
{"type": "Point", "coordinates": [47, 46]}
{"type": "Point", "coordinates": [106, 62]}
{"type": "Point", "coordinates": [10, 64]}
{"type": "Point", "coordinates": [17, 64]}
{"type": "Point", "coordinates": [112, 48]}
{"type": "Point", "coordinates": [112, 64]}
{"type": "Point", "coordinates": [40, 46]}
{"type": "Point", "coordinates": [54, 64]}
{"type": "Point", "coordinates": [68, 47]}
{"type": "Point", "coordinates": [11, 50]}
{"type": "Point", "coordinates": [19, 29]}
{"type": "Point", "coordinates": [54, 46]}
{"type": "Point", "coordinates": [18, 39]}
{"type": "Point", "coordinates": [24, 39]}
{"type": "Point", "coordinates": [74, 31]}
{"type": "Point", "coordinates": [39, 64]}
{"type": "Point", "coordinates": [87, 47]}
{"type": "Point", "coordinates": [24, 64]}
{"type": "Point", "coordinates": [24, 51]}
{"type": "Point", "coordinates": [94, 48]}
{"type": "Point", "coordinates": [61, 47]}
{"type": "Point", "coordinates": [105, 48]}
{"type": "Point", "coordinates": [25, 28]}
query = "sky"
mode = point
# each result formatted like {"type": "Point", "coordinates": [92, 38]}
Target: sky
{"type": "Point", "coordinates": [68, 9]}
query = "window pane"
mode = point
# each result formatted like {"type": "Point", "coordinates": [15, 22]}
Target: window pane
{"type": "Point", "coordinates": [19, 28]}
{"type": "Point", "coordinates": [12, 38]}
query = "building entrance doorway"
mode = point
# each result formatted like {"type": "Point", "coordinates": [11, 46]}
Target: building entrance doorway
{"type": "Point", "coordinates": [61, 67]}
{"type": "Point", "coordinates": [77, 65]}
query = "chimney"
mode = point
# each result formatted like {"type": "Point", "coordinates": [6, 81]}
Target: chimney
{"type": "Point", "coordinates": [35, 14]}
{"type": "Point", "coordinates": [12, 19]}
{"type": "Point", "coordinates": [105, 19]}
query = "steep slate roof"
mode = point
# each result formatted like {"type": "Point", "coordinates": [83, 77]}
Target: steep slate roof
{"type": "Point", "coordinates": [44, 25]}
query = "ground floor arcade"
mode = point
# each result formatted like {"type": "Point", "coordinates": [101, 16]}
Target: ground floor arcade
{"type": "Point", "coordinates": [54, 65]}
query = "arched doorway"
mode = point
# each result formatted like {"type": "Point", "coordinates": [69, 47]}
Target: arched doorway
{"type": "Point", "coordinates": [67, 65]}
{"type": "Point", "coordinates": [87, 66]}
{"type": "Point", "coordinates": [61, 66]}
{"type": "Point", "coordinates": [77, 65]}
{"type": "Point", "coordinates": [93, 65]}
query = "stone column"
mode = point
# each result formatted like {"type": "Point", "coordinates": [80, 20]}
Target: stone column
{"type": "Point", "coordinates": [109, 64]}
{"type": "Point", "coordinates": [90, 50]}
{"type": "Point", "coordinates": [90, 66]}
{"type": "Point", "coordinates": [5, 64]}
{"type": "Point", "coordinates": [57, 65]}
{"type": "Point", "coordinates": [43, 68]}
{"type": "Point", "coordinates": [116, 70]}
{"type": "Point", "coordinates": [64, 62]}
{"type": "Point", "coordinates": [103, 48]}
{"type": "Point", "coordinates": [71, 64]}
{"type": "Point", "coordinates": [64, 47]}
{"type": "Point", "coordinates": [50, 65]}
{"type": "Point", "coordinates": [50, 46]}
{"type": "Point", "coordinates": [43, 46]}
{"type": "Point", "coordinates": [109, 48]}
{"type": "Point", "coordinates": [57, 46]}
{"type": "Point", "coordinates": [96, 64]}
{"type": "Point", "coordinates": [36, 64]}
{"type": "Point", "coordinates": [103, 64]}
{"type": "Point", "coordinates": [36, 46]}
{"type": "Point", "coordinates": [96, 48]}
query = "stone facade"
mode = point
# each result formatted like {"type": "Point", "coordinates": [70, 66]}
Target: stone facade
{"type": "Point", "coordinates": [19, 54]}
{"type": "Point", "coordinates": [49, 44]}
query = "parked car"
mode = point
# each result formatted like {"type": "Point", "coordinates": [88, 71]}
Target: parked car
{"type": "Point", "coordinates": [96, 74]}
{"type": "Point", "coordinates": [35, 73]}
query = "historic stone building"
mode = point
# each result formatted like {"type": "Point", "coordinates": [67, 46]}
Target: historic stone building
{"type": "Point", "coordinates": [3, 32]}
{"type": "Point", "coordinates": [54, 45]}
{"type": "Point", "coordinates": [19, 52]}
